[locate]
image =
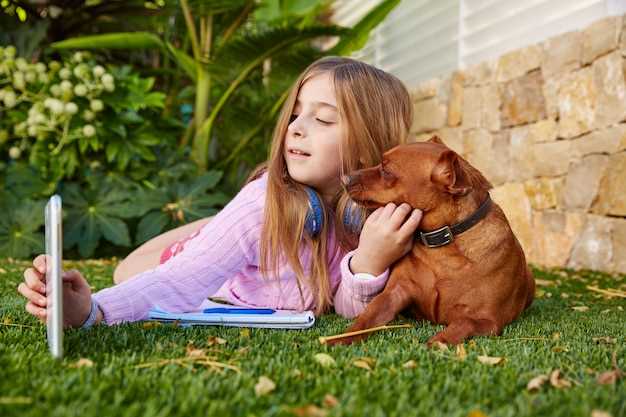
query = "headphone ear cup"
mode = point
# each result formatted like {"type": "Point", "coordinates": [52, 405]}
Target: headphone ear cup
{"type": "Point", "coordinates": [315, 215]}
{"type": "Point", "coordinates": [353, 217]}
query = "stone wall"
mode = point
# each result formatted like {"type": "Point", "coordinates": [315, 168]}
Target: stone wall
{"type": "Point", "coordinates": [546, 124]}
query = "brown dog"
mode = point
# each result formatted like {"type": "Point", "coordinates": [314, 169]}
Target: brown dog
{"type": "Point", "coordinates": [476, 281]}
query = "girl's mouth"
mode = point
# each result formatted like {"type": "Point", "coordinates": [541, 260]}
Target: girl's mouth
{"type": "Point", "coordinates": [296, 153]}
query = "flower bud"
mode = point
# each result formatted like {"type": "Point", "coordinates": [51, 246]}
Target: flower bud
{"type": "Point", "coordinates": [96, 105]}
{"type": "Point", "coordinates": [55, 89]}
{"type": "Point", "coordinates": [30, 77]}
{"type": "Point", "coordinates": [65, 73]}
{"type": "Point", "coordinates": [15, 152]}
{"type": "Point", "coordinates": [71, 108]}
{"type": "Point", "coordinates": [80, 90]}
{"type": "Point", "coordinates": [9, 99]}
{"type": "Point", "coordinates": [109, 87]}
{"type": "Point", "coordinates": [56, 106]}
{"type": "Point", "coordinates": [4, 136]}
{"type": "Point", "coordinates": [9, 52]}
{"type": "Point", "coordinates": [107, 78]}
{"type": "Point", "coordinates": [32, 130]}
{"type": "Point", "coordinates": [88, 115]}
{"type": "Point", "coordinates": [98, 71]}
{"type": "Point", "coordinates": [66, 85]}
{"type": "Point", "coordinates": [77, 57]}
{"type": "Point", "coordinates": [40, 67]}
{"type": "Point", "coordinates": [43, 78]}
{"type": "Point", "coordinates": [89, 130]}
{"type": "Point", "coordinates": [21, 64]}
{"type": "Point", "coordinates": [54, 66]}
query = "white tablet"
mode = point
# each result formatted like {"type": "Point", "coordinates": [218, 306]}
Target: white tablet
{"type": "Point", "coordinates": [54, 284]}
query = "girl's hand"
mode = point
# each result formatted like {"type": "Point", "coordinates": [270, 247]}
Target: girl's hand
{"type": "Point", "coordinates": [76, 294]}
{"type": "Point", "coordinates": [385, 238]}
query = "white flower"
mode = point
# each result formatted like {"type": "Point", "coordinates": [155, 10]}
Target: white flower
{"type": "Point", "coordinates": [71, 108]}
{"type": "Point", "coordinates": [40, 67]}
{"type": "Point", "coordinates": [54, 65]}
{"type": "Point", "coordinates": [9, 99]}
{"type": "Point", "coordinates": [96, 105]}
{"type": "Point", "coordinates": [80, 90]}
{"type": "Point", "coordinates": [18, 80]}
{"type": "Point", "coordinates": [39, 118]}
{"type": "Point", "coordinates": [9, 51]}
{"type": "Point", "coordinates": [88, 115]}
{"type": "Point", "coordinates": [32, 130]}
{"type": "Point", "coordinates": [44, 78]}
{"type": "Point", "coordinates": [66, 85]}
{"type": "Point", "coordinates": [65, 73]}
{"type": "Point", "coordinates": [56, 106]}
{"type": "Point", "coordinates": [89, 130]}
{"type": "Point", "coordinates": [98, 71]}
{"type": "Point", "coordinates": [55, 89]}
{"type": "Point", "coordinates": [107, 78]}
{"type": "Point", "coordinates": [109, 87]}
{"type": "Point", "coordinates": [21, 64]}
{"type": "Point", "coordinates": [30, 77]}
{"type": "Point", "coordinates": [77, 57]}
{"type": "Point", "coordinates": [15, 152]}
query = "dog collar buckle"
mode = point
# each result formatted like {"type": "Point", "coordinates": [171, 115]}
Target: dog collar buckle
{"type": "Point", "coordinates": [438, 237]}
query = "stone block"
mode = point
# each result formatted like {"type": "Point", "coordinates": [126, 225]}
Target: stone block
{"type": "Point", "coordinates": [577, 98]}
{"type": "Point", "coordinates": [543, 192]}
{"type": "Point", "coordinates": [604, 141]}
{"type": "Point", "coordinates": [479, 74]}
{"type": "Point", "coordinates": [583, 182]}
{"type": "Point", "coordinates": [551, 158]}
{"type": "Point", "coordinates": [522, 100]}
{"type": "Point", "coordinates": [429, 115]}
{"type": "Point", "coordinates": [562, 53]}
{"type": "Point", "coordinates": [612, 194]}
{"type": "Point", "coordinates": [594, 248]}
{"type": "Point", "coordinates": [519, 62]}
{"type": "Point", "coordinates": [455, 103]}
{"type": "Point", "coordinates": [425, 89]}
{"type": "Point", "coordinates": [601, 37]}
{"type": "Point", "coordinates": [515, 204]}
{"type": "Point", "coordinates": [481, 107]}
{"type": "Point", "coordinates": [550, 91]}
{"type": "Point", "coordinates": [555, 233]}
{"type": "Point", "coordinates": [619, 245]}
{"type": "Point", "coordinates": [608, 77]}
{"type": "Point", "coordinates": [453, 138]}
{"type": "Point", "coordinates": [522, 153]}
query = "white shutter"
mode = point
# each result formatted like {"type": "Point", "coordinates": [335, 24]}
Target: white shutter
{"type": "Point", "coordinates": [493, 27]}
{"type": "Point", "coordinates": [421, 39]}
{"type": "Point", "coordinates": [417, 40]}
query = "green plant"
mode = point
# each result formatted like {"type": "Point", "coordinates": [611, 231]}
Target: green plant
{"type": "Point", "coordinates": [235, 43]}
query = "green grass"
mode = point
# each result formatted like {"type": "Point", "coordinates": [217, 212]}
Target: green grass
{"type": "Point", "coordinates": [550, 335]}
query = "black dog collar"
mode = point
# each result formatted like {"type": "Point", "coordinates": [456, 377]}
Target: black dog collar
{"type": "Point", "coordinates": [445, 235]}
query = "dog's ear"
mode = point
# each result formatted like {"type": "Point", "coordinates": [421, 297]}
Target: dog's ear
{"type": "Point", "coordinates": [448, 175]}
{"type": "Point", "coordinates": [436, 139]}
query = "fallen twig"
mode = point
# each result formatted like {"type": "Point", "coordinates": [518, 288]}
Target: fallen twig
{"type": "Point", "coordinates": [608, 291]}
{"type": "Point", "coordinates": [324, 339]}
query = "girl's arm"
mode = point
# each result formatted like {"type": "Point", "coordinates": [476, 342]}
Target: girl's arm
{"type": "Point", "coordinates": [356, 290]}
{"type": "Point", "coordinates": [224, 246]}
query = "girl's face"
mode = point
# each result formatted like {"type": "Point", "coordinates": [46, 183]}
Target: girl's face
{"type": "Point", "coordinates": [313, 137]}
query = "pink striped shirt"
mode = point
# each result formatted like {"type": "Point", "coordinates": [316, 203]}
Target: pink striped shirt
{"type": "Point", "coordinates": [222, 260]}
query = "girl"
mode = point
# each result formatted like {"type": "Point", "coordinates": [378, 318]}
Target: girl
{"type": "Point", "coordinates": [341, 115]}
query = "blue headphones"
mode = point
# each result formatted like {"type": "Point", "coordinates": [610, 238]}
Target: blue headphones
{"type": "Point", "coordinates": [315, 216]}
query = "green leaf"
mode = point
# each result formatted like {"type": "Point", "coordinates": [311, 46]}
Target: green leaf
{"type": "Point", "coordinates": [184, 61]}
{"type": "Point", "coordinates": [114, 230]}
{"type": "Point", "coordinates": [119, 40]}
{"type": "Point", "coordinates": [112, 149]}
{"type": "Point", "coordinates": [358, 36]}
{"type": "Point", "coordinates": [203, 183]}
{"type": "Point", "coordinates": [151, 225]}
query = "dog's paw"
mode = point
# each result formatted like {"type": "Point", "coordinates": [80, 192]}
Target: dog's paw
{"type": "Point", "coordinates": [437, 341]}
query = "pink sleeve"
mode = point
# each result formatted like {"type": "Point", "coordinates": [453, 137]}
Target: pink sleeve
{"type": "Point", "coordinates": [354, 293]}
{"type": "Point", "coordinates": [225, 245]}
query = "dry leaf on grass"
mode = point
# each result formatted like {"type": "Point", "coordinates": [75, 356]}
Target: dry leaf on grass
{"type": "Point", "coordinates": [264, 386]}
{"type": "Point", "coordinates": [193, 356]}
{"type": "Point", "coordinates": [610, 377]}
{"type": "Point", "coordinates": [310, 410]}
{"type": "Point", "coordinates": [476, 413]}
{"type": "Point", "coordinates": [490, 360]}
{"type": "Point", "coordinates": [244, 333]}
{"type": "Point", "coordinates": [557, 381]}
{"type": "Point", "coordinates": [580, 308]}
{"type": "Point", "coordinates": [324, 339]}
{"type": "Point", "coordinates": [544, 282]}
{"type": "Point", "coordinates": [150, 324]}
{"type": "Point", "coordinates": [82, 362]}
{"type": "Point", "coordinates": [325, 360]}
{"type": "Point", "coordinates": [330, 401]}
{"type": "Point", "coordinates": [604, 339]}
{"type": "Point", "coordinates": [214, 340]}
{"type": "Point", "coordinates": [365, 363]}
{"type": "Point", "coordinates": [410, 364]}
{"type": "Point", "coordinates": [440, 346]}
{"type": "Point", "coordinates": [461, 354]}
{"type": "Point", "coordinates": [558, 349]}
{"type": "Point", "coordinates": [600, 413]}
{"type": "Point", "coordinates": [536, 383]}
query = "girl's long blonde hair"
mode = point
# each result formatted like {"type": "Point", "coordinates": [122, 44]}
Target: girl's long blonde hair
{"type": "Point", "coordinates": [376, 113]}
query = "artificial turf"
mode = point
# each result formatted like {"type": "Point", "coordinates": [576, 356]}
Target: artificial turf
{"type": "Point", "coordinates": [125, 374]}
